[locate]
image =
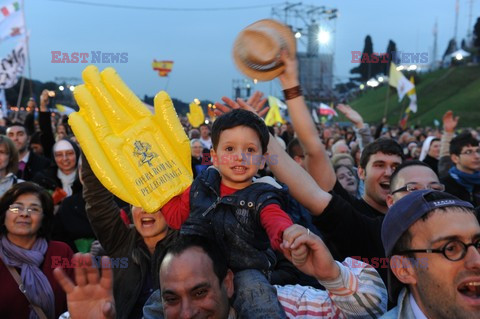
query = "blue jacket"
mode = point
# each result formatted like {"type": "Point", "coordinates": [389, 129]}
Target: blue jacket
{"type": "Point", "coordinates": [233, 221]}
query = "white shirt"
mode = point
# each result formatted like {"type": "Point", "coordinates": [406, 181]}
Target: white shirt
{"type": "Point", "coordinates": [206, 143]}
{"type": "Point", "coordinates": [25, 158]}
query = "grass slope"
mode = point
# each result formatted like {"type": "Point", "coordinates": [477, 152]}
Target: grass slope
{"type": "Point", "coordinates": [456, 89]}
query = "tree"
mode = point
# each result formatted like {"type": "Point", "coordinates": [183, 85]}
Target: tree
{"type": "Point", "coordinates": [451, 47]}
{"type": "Point", "coordinates": [391, 47]}
{"type": "Point", "coordinates": [365, 68]}
{"type": "Point", "coordinates": [476, 34]}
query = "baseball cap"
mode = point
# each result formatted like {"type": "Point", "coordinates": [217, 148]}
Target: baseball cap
{"type": "Point", "coordinates": [403, 214]}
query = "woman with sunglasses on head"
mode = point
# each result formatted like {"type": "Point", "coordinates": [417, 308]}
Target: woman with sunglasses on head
{"type": "Point", "coordinates": [27, 257]}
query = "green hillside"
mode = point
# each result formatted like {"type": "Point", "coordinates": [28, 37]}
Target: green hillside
{"type": "Point", "coordinates": [456, 89]}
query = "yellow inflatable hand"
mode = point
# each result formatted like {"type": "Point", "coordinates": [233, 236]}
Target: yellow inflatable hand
{"type": "Point", "coordinates": [195, 116]}
{"type": "Point", "coordinates": [142, 158]}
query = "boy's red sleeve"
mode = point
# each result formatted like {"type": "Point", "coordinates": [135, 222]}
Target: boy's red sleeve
{"type": "Point", "coordinates": [274, 220]}
{"type": "Point", "coordinates": [177, 210]}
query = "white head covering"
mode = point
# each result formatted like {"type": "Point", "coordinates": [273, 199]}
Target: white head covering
{"type": "Point", "coordinates": [426, 147]}
{"type": "Point", "coordinates": [62, 145]}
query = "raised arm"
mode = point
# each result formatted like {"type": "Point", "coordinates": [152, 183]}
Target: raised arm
{"type": "Point", "coordinates": [301, 185]}
{"type": "Point", "coordinates": [362, 130]}
{"type": "Point", "coordinates": [449, 124]}
{"type": "Point", "coordinates": [317, 161]}
{"type": "Point", "coordinates": [104, 214]}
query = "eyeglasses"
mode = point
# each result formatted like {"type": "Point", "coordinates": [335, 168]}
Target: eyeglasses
{"type": "Point", "coordinates": [63, 154]}
{"type": "Point", "coordinates": [15, 209]}
{"type": "Point", "coordinates": [471, 152]}
{"type": "Point", "coordinates": [454, 250]}
{"type": "Point", "coordinates": [411, 187]}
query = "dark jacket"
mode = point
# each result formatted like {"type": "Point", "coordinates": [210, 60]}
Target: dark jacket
{"type": "Point", "coordinates": [48, 179]}
{"type": "Point", "coordinates": [120, 241]}
{"type": "Point", "coordinates": [35, 164]}
{"type": "Point", "coordinates": [452, 187]}
{"type": "Point", "coordinates": [233, 221]}
{"type": "Point", "coordinates": [70, 222]}
{"type": "Point", "coordinates": [47, 138]}
{"type": "Point", "coordinates": [432, 162]}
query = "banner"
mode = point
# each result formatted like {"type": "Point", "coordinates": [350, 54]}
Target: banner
{"type": "Point", "coordinates": [11, 67]}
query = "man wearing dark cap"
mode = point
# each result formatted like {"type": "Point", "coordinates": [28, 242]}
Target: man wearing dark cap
{"type": "Point", "coordinates": [432, 239]}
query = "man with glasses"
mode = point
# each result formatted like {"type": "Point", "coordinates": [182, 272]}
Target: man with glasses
{"type": "Point", "coordinates": [463, 179]}
{"type": "Point", "coordinates": [412, 176]}
{"type": "Point", "coordinates": [442, 231]}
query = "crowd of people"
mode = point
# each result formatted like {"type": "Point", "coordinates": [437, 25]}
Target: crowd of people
{"type": "Point", "coordinates": [332, 222]}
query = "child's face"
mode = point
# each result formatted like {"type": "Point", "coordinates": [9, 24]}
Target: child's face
{"type": "Point", "coordinates": [238, 156]}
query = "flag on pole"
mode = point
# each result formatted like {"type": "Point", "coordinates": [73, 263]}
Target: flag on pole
{"type": "Point", "coordinates": [11, 67]}
{"type": "Point", "coordinates": [412, 95]}
{"type": "Point", "coordinates": [404, 120]}
{"type": "Point", "coordinates": [163, 67]}
{"type": "Point", "coordinates": [9, 8]}
{"type": "Point", "coordinates": [273, 116]}
{"type": "Point", "coordinates": [398, 80]}
{"type": "Point", "coordinates": [326, 110]}
{"type": "Point", "coordinates": [11, 20]}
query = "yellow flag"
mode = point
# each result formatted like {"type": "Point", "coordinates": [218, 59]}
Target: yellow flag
{"type": "Point", "coordinates": [398, 80]}
{"type": "Point", "coordinates": [273, 116]}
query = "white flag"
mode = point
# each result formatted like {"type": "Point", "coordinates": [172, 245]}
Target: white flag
{"type": "Point", "coordinates": [11, 25]}
{"type": "Point", "coordinates": [11, 67]}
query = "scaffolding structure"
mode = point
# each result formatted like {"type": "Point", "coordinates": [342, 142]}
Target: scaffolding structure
{"type": "Point", "coordinates": [315, 55]}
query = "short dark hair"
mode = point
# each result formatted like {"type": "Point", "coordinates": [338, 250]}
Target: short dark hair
{"type": "Point", "coordinates": [28, 188]}
{"type": "Point", "coordinates": [294, 148]}
{"type": "Point", "coordinates": [404, 241]}
{"type": "Point", "coordinates": [462, 140]}
{"type": "Point", "coordinates": [405, 165]}
{"type": "Point", "coordinates": [27, 131]}
{"type": "Point", "coordinates": [382, 145]}
{"type": "Point", "coordinates": [11, 150]}
{"type": "Point", "coordinates": [204, 124]}
{"type": "Point", "coordinates": [239, 117]}
{"type": "Point", "coordinates": [184, 242]}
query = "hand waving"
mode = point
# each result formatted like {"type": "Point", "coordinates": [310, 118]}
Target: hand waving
{"type": "Point", "coordinates": [92, 297]}
{"type": "Point", "coordinates": [450, 122]}
{"type": "Point", "coordinates": [351, 114]}
{"type": "Point", "coordinates": [140, 157]}
{"type": "Point", "coordinates": [254, 104]}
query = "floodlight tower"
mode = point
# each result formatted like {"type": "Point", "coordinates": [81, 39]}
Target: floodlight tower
{"type": "Point", "coordinates": [313, 29]}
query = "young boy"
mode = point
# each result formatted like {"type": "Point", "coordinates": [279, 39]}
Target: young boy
{"type": "Point", "coordinates": [243, 216]}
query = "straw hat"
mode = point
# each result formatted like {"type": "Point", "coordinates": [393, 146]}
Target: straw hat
{"type": "Point", "coordinates": [256, 50]}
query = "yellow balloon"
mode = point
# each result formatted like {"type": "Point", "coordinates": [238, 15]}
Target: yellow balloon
{"type": "Point", "coordinates": [142, 158]}
{"type": "Point", "coordinates": [196, 116]}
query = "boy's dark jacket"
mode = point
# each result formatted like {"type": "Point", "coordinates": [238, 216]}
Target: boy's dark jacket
{"type": "Point", "coordinates": [233, 221]}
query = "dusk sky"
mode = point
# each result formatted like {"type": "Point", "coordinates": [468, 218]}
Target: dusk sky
{"type": "Point", "coordinates": [200, 42]}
